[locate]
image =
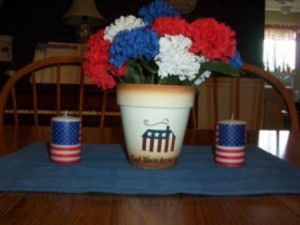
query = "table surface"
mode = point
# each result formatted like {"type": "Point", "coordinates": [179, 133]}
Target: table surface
{"type": "Point", "coordinates": [50, 208]}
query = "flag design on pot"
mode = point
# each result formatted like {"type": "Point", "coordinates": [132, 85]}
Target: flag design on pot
{"type": "Point", "coordinates": [65, 145]}
{"type": "Point", "coordinates": [158, 140]}
{"type": "Point", "coordinates": [230, 143]}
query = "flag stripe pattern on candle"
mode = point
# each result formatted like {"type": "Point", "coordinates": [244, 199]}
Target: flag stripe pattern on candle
{"type": "Point", "coordinates": [230, 144]}
{"type": "Point", "coordinates": [65, 145]}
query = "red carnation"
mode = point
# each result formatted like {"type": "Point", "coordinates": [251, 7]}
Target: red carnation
{"type": "Point", "coordinates": [212, 39]}
{"type": "Point", "coordinates": [96, 64]}
{"type": "Point", "coordinates": [170, 26]}
{"type": "Point", "coordinates": [119, 72]}
{"type": "Point", "coordinates": [103, 80]}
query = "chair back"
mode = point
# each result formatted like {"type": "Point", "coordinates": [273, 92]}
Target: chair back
{"type": "Point", "coordinates": [50, 87]}
{"type": "Point", "coordinates": [256, 97]}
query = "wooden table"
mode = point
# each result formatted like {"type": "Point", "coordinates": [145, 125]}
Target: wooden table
{"type": "Point", "coordinates": [48, 208]}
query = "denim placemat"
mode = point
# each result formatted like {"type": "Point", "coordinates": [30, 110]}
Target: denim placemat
{"type": "Point", "coordinates": [104, 169]}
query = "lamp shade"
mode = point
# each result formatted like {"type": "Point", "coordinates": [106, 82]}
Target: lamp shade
{"type": "Point", "coordinates": [183, 6]}
{"type": "Point", "coordinates": [83, 12]}
{"type": "Point", "coordinates": [286, 9]}
{"type": "Point", "coordinates": [1, 3]}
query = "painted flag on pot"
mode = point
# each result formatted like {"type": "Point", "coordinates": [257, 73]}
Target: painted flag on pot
{"type": "Point", "coordinates": [65, 145]}
{"type": "Point", "coordinates": [157, 140]}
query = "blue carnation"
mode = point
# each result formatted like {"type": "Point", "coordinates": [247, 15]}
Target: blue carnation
{"type": "Point", "coordinates": [138, 42]}
{"type": "Point", "coordinates": [157, 9]}
{"type": "Point", "coordinates": [236, 62]}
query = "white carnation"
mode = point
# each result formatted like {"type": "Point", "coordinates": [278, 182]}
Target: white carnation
{"type": "Point", "coordinates": [174, 58]}
{"type": "Point", "coordinates": [123, 23]}
{"type": "Point", "coordinates": [203, 76]}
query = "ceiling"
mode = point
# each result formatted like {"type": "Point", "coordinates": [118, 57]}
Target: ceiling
{"type": "Point", "coordinates": [272, 5]}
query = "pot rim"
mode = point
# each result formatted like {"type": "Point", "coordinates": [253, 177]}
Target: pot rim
{"type": "Point", "coordinates": [165, 87]}
{"type": "Point", "coordinates": [152, 95]}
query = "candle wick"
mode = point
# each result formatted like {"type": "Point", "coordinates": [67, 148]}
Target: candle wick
{"type": "Point", "coordinates": [232, 116]}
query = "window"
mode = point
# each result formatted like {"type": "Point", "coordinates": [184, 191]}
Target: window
{"type": "Point", "coordinates": [279, 49]}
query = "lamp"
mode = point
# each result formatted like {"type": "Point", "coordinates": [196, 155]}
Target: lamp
{"type": "Point", "coordinates": [84, 15]}
{"type": "Point", "coordinates": [1, 3]}
{"type": "Point", "coordinates": [183, 6]}
{"type": "Point", "coordinates": [285, 5]}
{"type": "Point", "coordinates": [285, 9]}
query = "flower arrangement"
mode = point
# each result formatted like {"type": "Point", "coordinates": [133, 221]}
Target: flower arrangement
{"type": "Point", "coordinates": [160, 47]}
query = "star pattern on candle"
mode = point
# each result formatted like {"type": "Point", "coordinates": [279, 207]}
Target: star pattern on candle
{"type": "Point", "coordinates": [231, 135]}
{"type": "Point", "coordinates": [65, 133]}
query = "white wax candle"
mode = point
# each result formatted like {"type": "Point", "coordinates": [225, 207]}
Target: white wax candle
{"type": "Point", "coordinates": [65, 145]}
{"type": "Point", "coordinates": [66, 118]}
{"type": "Point", "coordinates": [232, 122]}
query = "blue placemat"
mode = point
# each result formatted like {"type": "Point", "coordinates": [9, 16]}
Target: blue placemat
{"type": "Point", "coordinates": [104, 169]}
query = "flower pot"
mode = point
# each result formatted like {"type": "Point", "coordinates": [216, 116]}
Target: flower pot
{"type": "Point", "coordinates": [154, 119]}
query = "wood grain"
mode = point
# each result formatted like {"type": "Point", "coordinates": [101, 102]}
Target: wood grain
{"type": "Point", "coordinates": [110, 209]}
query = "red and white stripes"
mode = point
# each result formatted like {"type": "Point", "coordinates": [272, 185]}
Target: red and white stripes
{"type": "Point", "coordinates": [230, 156]}
{"type": "Point", "coordinates": [65, 154]}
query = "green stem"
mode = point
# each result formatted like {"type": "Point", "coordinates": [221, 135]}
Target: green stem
{"type": "Point", "coordinates": [152, 79]}
{"type": "Point", "coordinates": [121, 80]}
{"type": "Point", "coordinates": [159, 82]}
{"type": "Point", "coordinates": [141, 73]}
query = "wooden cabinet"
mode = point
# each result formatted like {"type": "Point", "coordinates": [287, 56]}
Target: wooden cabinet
{"type": "Point", "coordinates": [271, 104]}
{"type": "Point", "coordinates": [248, 103]}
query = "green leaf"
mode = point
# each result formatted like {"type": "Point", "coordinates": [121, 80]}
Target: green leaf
{"type": "Point", "coordinates": [170, 80]}
{"type": "Point", "coordinates": [220, 67]}
{"type": "Point", "coordinates": [150, 66]}
{"type": "Point", "coordinates": [141, 71]}
{"type": "Point", "coordinates": [133, 72]}
{"type": "Point", "coordinates": [188, 82]}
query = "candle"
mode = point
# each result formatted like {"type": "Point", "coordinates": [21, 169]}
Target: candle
{"type": "Point", "coordinates": [65, 145]}
{"type": "Point", "coordinates": [230, 143]}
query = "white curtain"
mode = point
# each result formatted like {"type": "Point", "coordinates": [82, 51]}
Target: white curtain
{"type": "Point", "coordinates": [280, 33]}
{"type": "Point", "coordinates": [280, 48]}
{"type": "Point", "coordinates": [297, 77]}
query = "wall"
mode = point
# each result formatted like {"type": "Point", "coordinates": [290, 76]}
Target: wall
{"type": "Point", "coordinates": [291, 19]}
{"type": "Point", "coordinates": [246, 17]}
{"type": "Point", "coordinates": [35, 21]}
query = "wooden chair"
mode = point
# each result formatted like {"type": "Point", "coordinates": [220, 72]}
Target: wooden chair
{"type": "Point", "coordinates": [256, 97]}
{"type": "Point", "coordinates": [25, 100]}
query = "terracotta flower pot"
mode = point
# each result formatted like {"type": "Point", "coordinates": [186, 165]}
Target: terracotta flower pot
{"type": "Point", "coordinates": [154, 119]}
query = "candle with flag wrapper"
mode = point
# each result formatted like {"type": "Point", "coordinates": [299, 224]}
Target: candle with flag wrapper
{"type": "Point", "coordinates": [65, 145]}
{"type": "Point", "coordinates": [230, 143]}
